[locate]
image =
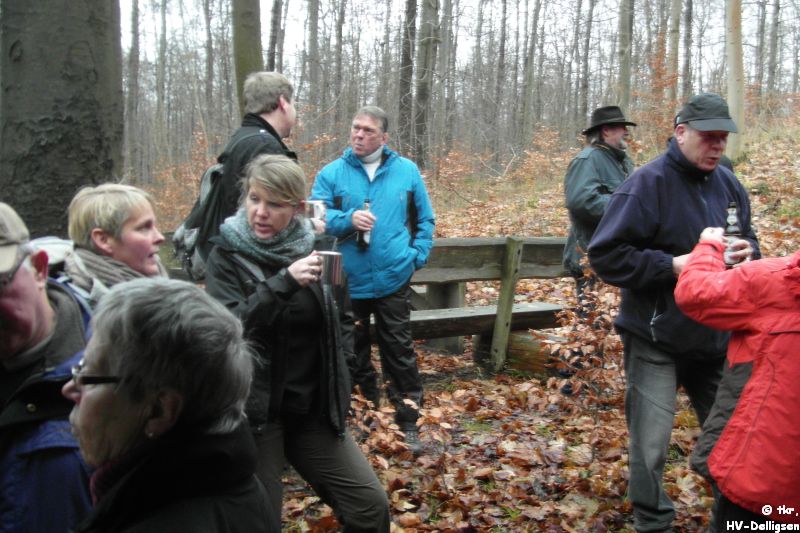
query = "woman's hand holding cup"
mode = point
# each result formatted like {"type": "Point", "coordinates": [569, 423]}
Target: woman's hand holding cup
{"type": "Point", "coordinates": [307, 270]}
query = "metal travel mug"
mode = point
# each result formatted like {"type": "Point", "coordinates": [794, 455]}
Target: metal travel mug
{"type": "Point", "coordinates": [331, 268]}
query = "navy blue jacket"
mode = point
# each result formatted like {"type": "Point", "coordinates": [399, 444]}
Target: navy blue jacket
{"type": "Point", "coordinates": [656, 214]}
{"type": "Point", "coordinates": [44, 483]}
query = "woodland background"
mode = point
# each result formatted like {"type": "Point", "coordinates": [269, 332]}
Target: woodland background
{"type": "Point", "coordinates": [489, 98]}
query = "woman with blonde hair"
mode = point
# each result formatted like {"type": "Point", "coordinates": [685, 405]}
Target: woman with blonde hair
{"type": "Point", "coordinates": [263, 267]}
{"type": "Point", "coordinates": [114, 231]}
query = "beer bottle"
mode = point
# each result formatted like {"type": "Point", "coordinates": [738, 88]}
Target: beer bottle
{"type": "Point", "coordinates": [364, 236]}
{"type": "Point", "coordinates": [732, 232]}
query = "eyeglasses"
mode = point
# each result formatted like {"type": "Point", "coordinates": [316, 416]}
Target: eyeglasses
{"type": "Point", "coordinates": [81, 380]}
{"type": "Point", "coordinates": [6, 278]}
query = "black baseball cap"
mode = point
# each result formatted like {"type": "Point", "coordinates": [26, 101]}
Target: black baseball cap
{"type": "Point", "coordinates": [706, 112]}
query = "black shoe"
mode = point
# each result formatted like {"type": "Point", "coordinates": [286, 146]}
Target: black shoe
{"type": "Point", "coordinates": [412, 441]}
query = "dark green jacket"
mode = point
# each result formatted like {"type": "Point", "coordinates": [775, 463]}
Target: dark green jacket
{"type": "Point", "coordinates": [591, 178]}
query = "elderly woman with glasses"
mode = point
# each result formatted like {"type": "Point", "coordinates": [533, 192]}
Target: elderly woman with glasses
{"type": "Point", "coordinates": [159, 413]}
{"type": "Point", "coordinates": [264, 269]}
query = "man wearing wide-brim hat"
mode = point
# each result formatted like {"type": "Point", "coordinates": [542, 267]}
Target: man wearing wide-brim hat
{"type": "Point", "coordinates": [591, 178]}
{"type": "Point", "coordinates": [652, 222]}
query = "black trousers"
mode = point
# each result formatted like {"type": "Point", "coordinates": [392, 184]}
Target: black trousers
{"type": "Point", "coordinates": [398, 359]}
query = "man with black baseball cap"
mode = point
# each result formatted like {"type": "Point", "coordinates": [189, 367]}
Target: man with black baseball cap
{"type": "Point", "coordinates": [591, 178]}
{"type": "Point", "coordinates": [641, 244]}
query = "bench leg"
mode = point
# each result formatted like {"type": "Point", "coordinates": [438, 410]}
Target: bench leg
{"type": "Point", "coordinates": [446, 296]}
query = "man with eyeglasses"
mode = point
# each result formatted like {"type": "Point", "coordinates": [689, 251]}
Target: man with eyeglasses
{"type": "Point", "coordinates": [44, 483]}
{"type": "Point", "coordinates": [400, 222]}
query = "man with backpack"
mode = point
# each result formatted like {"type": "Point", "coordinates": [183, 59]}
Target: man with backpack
{"type": "Point", "coordinates": [269, 117]}
{"type": "Point", "coordinates": [44, 483]}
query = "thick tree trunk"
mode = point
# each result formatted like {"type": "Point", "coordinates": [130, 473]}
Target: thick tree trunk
{"type": "Point", "coordinates": [61, 105]}
{"type": "Point", "coordinates": [246, 42]}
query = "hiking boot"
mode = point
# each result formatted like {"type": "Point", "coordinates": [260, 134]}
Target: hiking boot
{"type": "Point", "coordinates": [412, 441]}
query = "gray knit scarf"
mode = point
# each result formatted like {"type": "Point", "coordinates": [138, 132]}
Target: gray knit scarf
{"type": "Point", "coordinates": [293, 242]}
{"type": "Point", "coordinates": [96, 273]}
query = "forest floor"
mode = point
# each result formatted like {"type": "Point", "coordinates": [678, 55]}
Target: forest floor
{"type": "Point", "coordinates": [511, 452]}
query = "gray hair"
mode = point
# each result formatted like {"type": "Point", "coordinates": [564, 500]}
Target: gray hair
{"type": "Point", "coordinates": [377, 113]}
{"type": "Point", "coordinates": [157, 333]}
{"type": "Point", "coordinates": [261, 91]}
{"type": "Point", "coordinates": [595, 136]}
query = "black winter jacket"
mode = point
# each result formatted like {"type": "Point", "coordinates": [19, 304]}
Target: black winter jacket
{"type": "Point", "coordinates": [235, 161]}
{"type": "Point", "coordinates": [656, 214]}
{"type": "Point", "coordinates": [263, 306]}
{"type": "Point", "coordinates": [190, 482]}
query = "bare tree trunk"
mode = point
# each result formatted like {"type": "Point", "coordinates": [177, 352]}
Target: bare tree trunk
{"type": "Point", "coordinates": [528, 88]}
{"type": "Point", "coordinates": [733, 47]}
{"type": "Point", "coordinates": [282, 38]}
{"type": "Point", "coordinates": [405, 126]}
{"type": "Point", "coordinates": [133, 165]}
{"type": "Point", "coordinates": [760, 54]}
{"type": "Point", "coordinates": [584, 97]}
{"type": "Point", "coordinates": [337, 78]}
{"type": "Point", "coordinates": [312, 57]}
{"type": "Point", "coordinates": [61, 107]}
{"type": "Point", "coordinates": [274, 31]}
{"type": "Point", "coordinates": [209, 88]}
{"type": "Point", "coordinates": [426, 66]}
{"type": "Point", "coordinates": [687, 50]}
{"type": "Point", "coordinates": [674, 39]}
{"type": "Point", "coordinates": [246, 42]}
{"type": "Point", "coordinates": [773, 47]}
{"type": "Point", "coordinates": [161, 87]}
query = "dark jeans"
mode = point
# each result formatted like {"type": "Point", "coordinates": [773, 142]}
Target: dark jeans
{"type": "Point", "coordinates": [652, 377]}
{"type": "Point", "coordinates": [334, 467]}
{"type": "Point", "coordinates": [398, 359]}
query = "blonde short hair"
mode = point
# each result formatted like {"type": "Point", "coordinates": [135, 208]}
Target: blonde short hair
{"type": "Point", "coordinates": [107, 207]}
{"type": "Point", "coordinates": [279, 175]}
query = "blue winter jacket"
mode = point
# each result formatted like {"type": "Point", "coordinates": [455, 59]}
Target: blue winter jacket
{"type": "Point", "coordinates": [402, 235]}
{"type": "Point", "coordinates": [44, 483]}
{"type": "Point", "coordinates": [658, 213]}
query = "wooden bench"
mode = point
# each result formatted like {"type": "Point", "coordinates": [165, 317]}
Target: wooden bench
{"type": "Point", "coordinates": [440, 290]}
{"type": "Point", "coordinates": [438, 299]}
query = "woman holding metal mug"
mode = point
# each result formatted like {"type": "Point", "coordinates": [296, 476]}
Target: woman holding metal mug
{"type": "Point", "coordinates": [263, 267]}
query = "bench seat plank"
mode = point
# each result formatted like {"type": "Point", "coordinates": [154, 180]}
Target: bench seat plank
{"type": "Point", "coordinates": [437, 323]}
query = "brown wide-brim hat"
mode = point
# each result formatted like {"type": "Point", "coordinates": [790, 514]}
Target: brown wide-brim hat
{"type": "Point", "coordinates": [605, 116]}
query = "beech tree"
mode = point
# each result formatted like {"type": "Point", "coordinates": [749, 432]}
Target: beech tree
{"type": "Point", "coordinates": [61, 107]}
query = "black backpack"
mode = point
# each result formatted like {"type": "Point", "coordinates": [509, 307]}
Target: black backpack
{"type": "Point", "coordinates": [207, 209]}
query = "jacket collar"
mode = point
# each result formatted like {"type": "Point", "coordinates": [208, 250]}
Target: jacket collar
{"type": "Point", "coordinates": [687, 168]}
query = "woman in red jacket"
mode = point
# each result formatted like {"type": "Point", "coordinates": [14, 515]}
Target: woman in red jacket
{"type": "Point", "coordinates": [756, 462]}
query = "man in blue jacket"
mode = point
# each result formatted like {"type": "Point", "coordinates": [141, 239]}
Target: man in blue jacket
{"type": "Point", "coordinates": [44, 485]}
{"type": "Point", "coordinates": [399, 222]}
{"type": "Point", "coordinates": [650, 225]}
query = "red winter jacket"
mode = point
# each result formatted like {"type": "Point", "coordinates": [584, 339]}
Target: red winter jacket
{"type": "Point", "coordinates": [756, 461]}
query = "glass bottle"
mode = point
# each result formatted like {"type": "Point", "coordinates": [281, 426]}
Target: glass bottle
{"type": "Point", "coordinates": [732, 233]}
{"type": "Point", "coordinates": [364, 236]}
